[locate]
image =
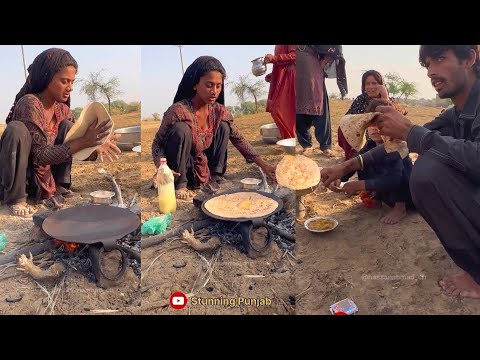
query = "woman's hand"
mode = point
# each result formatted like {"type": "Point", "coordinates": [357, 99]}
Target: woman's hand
{"type": "Point", "coordinates": [95, 135]}
{"type": "Point", "coordinates": [109, 149]}
{"type": "Point", "coordinates": [383, 92]}
{"type": "Point", "coordinates": [268, 59]}
{"type": "Point", "coordinates": [154, 184]}
{"type": "Point", "coordinates": [269, 170]}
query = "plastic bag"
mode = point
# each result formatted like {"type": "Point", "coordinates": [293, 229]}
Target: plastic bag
{"type": "Point", "coordinates": [3, 241]}
{"type": "Point", "coordinates": [156, 225]}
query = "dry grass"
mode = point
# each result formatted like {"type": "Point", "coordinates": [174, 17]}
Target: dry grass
{"type": "Point", "coordinates": [417, 114]}
{"type": "Point", "coordinates": [126, 120]}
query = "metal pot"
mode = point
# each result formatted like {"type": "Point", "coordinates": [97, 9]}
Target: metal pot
{"type": "Point", "coordinates": [270, 133]}
{"type": "Point", "coordinates": [288, 145]}
{"type": "Point", "coordinates": [250, 183]}
{"type": "Point", "coordinates": [102, 197]}
{"type": "Point", "coordinates": [131, 137]}
{"type": "Point", "coordinates": [258, 67]}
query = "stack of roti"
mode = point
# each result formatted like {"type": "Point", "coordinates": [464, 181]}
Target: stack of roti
{"type": "Point", "coordinates": [89, 114]}
{"type": "Point", "coordinates": [354, 126]}
{"type": "Point", "coordinates": [238, 205]}
{"type": "Point", "coordinates": [297, 172]}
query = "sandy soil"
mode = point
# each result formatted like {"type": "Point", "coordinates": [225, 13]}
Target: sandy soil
{"type": "Point", "coordinates": [74, 293]}
{"type": "Point", "coordinates": [230, 277]}
{"type": "Point", "coordinates": [384, 269]}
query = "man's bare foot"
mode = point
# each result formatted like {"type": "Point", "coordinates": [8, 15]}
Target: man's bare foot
{"type": "Point", "coordinates": [461, 285]}
{"type": "Point", "coordinates": [21, 209]}
{"type": "Point", "coordinates": [183, 194]}
{"type": "Point", "coordinates": [328, 153]}
{"type": "Point", "coordinates": [398, 213]}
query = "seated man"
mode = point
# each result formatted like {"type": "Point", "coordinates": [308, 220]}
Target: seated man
{"type": "Point", "coordinates": [445, 181]}
{"type": "Point", "coordinates": [386, 180]}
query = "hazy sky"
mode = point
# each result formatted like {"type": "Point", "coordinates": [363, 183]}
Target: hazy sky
{"type": "Point", "coordinates": [152, 73]}
{"type": "Point", "coordinates": [162, 72]}
{"type": "Point", "coordinates": [121, 61]}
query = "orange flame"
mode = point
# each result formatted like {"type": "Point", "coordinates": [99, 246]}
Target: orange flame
{"type": "Point", "coordinates": [67, 246]}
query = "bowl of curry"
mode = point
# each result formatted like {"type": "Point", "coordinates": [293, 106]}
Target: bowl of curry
{"type": "Point", "coordinates": [321, 224]}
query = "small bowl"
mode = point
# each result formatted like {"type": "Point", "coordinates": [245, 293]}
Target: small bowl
{"type": "Point", "coordinates": [250, 183]}
{"type": "Point", "coordinates": [307, 223]}
{"type": "Point", "coordinates": [288, 145]}
{"type": "Point", "coordinates": [102, 197]}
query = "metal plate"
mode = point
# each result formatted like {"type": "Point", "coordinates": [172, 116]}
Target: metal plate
{"type": "Point", "coordinates": [91, 224]}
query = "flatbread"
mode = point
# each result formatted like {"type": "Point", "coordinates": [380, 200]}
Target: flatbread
{"type": "Point", "coordinates": [392, 145]}
{"type": "Point", "coordinates": [89, 114]}
{"type": "Point", "coordinates": [245, 205]}
{"type": "Point", "coordinates": [297, 172]}
{"type": "Point", "coordinates": [353, 127]}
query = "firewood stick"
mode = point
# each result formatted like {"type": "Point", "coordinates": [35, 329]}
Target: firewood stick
{"type": "Point", "coordinates": [157, 239]}
{"type": "Point", "coordinates": [36, 249]}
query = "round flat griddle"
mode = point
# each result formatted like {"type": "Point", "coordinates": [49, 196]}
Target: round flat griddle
{"type": "Point", "coordinates": [254, 220]}
{"type": "Point", "coordinates": [91, 224]}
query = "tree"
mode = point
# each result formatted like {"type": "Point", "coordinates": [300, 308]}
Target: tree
{"type": "Point", "coordinates": [244, 88]}
{"type": "Point", "coordinates": [156, 116]}
{"type": "Point", "coordinates": [393, 81]}
{"type": "Point", "coordinates": [95, 87]}
{"type": "Point", "coordinates": [120, 106]}
{"type": "Point", "coordinates": [134, 106]}
{"type": "Point", "coordinates": [398, 85]}
{"type": "Point", "coordinates": [76, 112]}
{"type": "Point", "coordinates": [407, 89]}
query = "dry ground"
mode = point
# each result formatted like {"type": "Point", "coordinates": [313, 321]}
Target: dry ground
{"type": "Point", "coordinates": [384, 269]}
{"type": "Point", "coordinates": [228, 279]}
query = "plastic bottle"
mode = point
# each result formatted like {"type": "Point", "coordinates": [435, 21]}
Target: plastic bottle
{"type": "Point", "coordinates": [3, 240]}
{"type": "Point", "coordinates": [167, 201]}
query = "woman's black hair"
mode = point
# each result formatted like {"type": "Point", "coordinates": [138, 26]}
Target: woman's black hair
{"type": "Point", "coordinates": [41, 72]}
{"type": "Point", "coordinates": [200, 67]}
{"type": "Point", "coordinates": [376, 75]}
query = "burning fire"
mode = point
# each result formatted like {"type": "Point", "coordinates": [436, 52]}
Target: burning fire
{"type": "Point", "coordinates": [67, 246]}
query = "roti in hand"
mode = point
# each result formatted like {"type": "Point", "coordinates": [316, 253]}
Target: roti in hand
{"type": "Point", "coordinates": [89, 114]}
{"type": "Point", "coordinates": [354, 126]}
{"type": "Point", "coordinates": [297, 172]}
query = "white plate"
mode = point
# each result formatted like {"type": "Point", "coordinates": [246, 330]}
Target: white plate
{"type": "Point", "coordinates": [335, 223]}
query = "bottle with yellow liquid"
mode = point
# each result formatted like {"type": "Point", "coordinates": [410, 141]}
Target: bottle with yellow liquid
{"type": "Point", "coordinates": [166, 188]}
